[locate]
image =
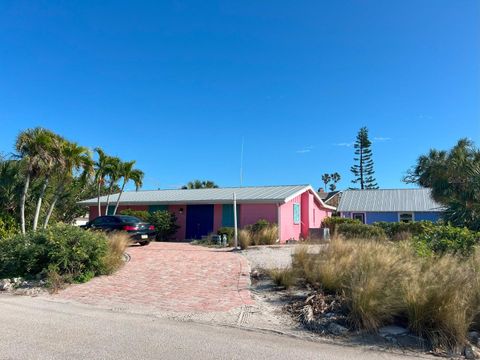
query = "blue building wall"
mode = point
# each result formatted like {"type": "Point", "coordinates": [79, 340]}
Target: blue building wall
{"type": "Point", "coordinates": [430, 216]}
{"type": "Point", "coordinates": [371, 217]}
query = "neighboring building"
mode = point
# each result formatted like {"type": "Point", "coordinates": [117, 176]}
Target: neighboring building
{"type": "Point", "coordinates": [331, 198]}
{"type": "Point", "coordinates": [296, 209]}
{"type": "Point", "coordinates": [390, 205]}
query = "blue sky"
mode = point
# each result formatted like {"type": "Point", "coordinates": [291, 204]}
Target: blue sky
{"type": "Point", "coordinates": [177, 84]}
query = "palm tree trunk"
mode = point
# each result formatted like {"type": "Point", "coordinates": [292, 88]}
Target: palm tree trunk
{"type": "Point", "coordinates": [118, 199]}
{"type": "Point", "coordinates": [108, 202]}
{"type": "Point", "coordinates": [39, 204]}
{"type": "Point", "coordinates": [23, 200]}
{"type": "Point", "coordinates": [98, 199]}
{"type": "Point", "coordinates": [52, 205]}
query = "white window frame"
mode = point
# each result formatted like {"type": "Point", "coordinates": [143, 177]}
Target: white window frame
{"type": "Point", "coordinates": [406, 212]}
{"type": "Point", "coordinates": [362, 213]}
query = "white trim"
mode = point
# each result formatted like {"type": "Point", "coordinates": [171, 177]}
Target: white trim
{"type": "Point", "coordinates": [310, 189]}
{"type": "Point", "coordinates": [406, 212]}
{"type": "Point", "coordinates": [279, 222]}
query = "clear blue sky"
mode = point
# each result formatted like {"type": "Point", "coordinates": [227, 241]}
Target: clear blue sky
{"type": "Point", "coordinates": [177, 84]}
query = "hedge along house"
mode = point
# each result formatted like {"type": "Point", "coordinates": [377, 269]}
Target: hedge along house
{"type": "Point", "coordinates": [296, 209]}
{"type": "Point", "coordinates": [390, 205]}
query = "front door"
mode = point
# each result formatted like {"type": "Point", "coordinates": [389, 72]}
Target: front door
{"type": "Point", "coordinates": [199, 221]}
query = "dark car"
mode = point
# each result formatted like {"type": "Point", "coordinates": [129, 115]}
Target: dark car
{"type": "Point", "coordinates": [140, 232]}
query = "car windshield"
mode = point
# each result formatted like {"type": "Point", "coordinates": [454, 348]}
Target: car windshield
{"type": "Point", "coordinates": [129, 219]}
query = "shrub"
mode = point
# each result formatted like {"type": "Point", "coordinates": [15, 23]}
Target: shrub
{"type": "Point", "coordinates": [259, 226]}
{"type": "Point", "coordinates": [164, 221]}
{"type": "Point", "coordinates": [143, 215]}
{"type": "Point", "coordinates": [74, 254]}
{"type": "Point", "coordinates": [8, 226]}
{"type": "Point", "coordinates": [334, 221]}
{"type": "Point", "coordinates": [361, 231]}
{"type": "Point", "coordinates": [402, 230]}
{"type": "Point", "coordinates": [446, 238]}
{"type": "Point", "coordinates": [283, 277]}
{"type": "Point", "coordinates": [165, 224]}
{"type": "Point", "coordinates": [229, 231]}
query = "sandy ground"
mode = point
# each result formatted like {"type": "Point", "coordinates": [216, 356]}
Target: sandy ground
{"type": "Point", "coordinates": [276, 256]}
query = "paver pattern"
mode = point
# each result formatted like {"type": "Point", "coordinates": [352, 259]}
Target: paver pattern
{"type": "Point", "coordinates": [175, 277]}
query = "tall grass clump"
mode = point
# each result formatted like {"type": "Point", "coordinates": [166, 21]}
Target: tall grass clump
{"type": "Point", "coordinates": [284, 277]}
{"type": "Point", "coordinates": [437, 294]}
{"type": "Point", "coordinates": [244, 239]}
{"type": "Point", "coordinates": [117, 244]}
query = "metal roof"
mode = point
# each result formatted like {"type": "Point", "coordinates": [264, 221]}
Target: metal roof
{"type": "Point", "coordinates": [255, 194]}
{"type": "Point", "coordinates": [388, 200]}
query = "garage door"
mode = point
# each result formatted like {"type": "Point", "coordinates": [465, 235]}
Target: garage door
{"type": "Point", "coordinates": [199, 221]}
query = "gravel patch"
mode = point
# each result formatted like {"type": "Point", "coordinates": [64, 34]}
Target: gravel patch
{"type": "Point", "coordinates": [272, 257]}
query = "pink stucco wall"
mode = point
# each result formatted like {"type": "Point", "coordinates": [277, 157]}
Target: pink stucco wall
{"type": "Point", "coordinates": [311, 215]}
{"type": "Point", "coordinates": [288, 229]}
{"type": "Point", "coordinates": [251, 213]}
{"type": "Point", "coordinates": [181, 220]}
{"type": "Point", "coordinates": [217, 216]}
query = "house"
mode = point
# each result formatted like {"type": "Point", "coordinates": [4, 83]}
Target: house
{"type": "Point", "coordinates": [389, 205]}
{"type": "Point", "coordinates": [331, 198]}
{"type": "Point", "coordinates": [296, 209]}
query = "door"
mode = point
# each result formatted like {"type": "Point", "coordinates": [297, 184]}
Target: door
{"type": "Point", "coordinates": [199, 221]}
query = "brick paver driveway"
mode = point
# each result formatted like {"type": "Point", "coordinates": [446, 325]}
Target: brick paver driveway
{"type": "Point", "coordinates": [170, 277]}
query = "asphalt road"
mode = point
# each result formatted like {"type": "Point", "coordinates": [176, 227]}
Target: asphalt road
{"type": "Point", "coordinates": [33, 328]}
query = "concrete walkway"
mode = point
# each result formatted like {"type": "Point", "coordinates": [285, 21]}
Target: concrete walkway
{"type": "Point", "coordinates": [175, 277]}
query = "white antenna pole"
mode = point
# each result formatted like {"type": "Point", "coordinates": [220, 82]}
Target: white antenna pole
{"type": "Point", "coordinates": [241, 163]}
{"type": "Point", "coordinates": [235, 237]}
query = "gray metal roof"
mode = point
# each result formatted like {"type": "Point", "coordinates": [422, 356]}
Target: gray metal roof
{"type": "Point", "coordinates": [388, 200]}
{"type": "Point", "coordinates": [257, 194]}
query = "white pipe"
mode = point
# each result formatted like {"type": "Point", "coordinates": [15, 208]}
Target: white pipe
{"type": "Point", "coordinates": [235, 220]}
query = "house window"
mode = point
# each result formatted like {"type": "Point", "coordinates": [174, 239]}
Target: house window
{"type": "Point", "coordinates": [296, 213]}
{"type": "Point", "coordinates": [405, 217]}
{"type": "Point", "coordinates": [359, 216]}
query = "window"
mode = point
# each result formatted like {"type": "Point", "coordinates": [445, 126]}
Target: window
{"type": "Point", "coordinates": [359, 216]}
{"type": "Point", "coordinates": [296, 213]}
{"type": "Point", "coordinates": [405, 217]}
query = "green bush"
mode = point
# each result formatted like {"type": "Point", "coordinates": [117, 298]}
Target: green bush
{"type": "Point", "coordinates": [361, 231]}
{"type": "Point", "coordinates": [397, 230]}
{"type": "Point", "coordinates": [446, 239]}
{"type": "Point", "coordinates": [164, 221]}
{"type": "Point", "coordinates": [165, 224]}
{"type": "Point", "coordinates": [143, 215]}
{"type": "Point", "coordinates": [74, 254]}
{"type": "Point", "coordinates": [334, 221]}
{"type": "Point", "coordinates": [229, 231]}
{"type": "Point", "coordinates": [8, 226]}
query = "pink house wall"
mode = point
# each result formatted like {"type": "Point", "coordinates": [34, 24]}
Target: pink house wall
{"type": "Point", "coordinates": [217, 216]}
{"type": "Point", "coordinates": [251, 213]}
{"type": "Point", "coordinates": [289, 230]}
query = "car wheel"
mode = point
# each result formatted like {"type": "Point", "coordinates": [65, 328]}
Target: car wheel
{"type": "Point", "coordinates": [144, 243]}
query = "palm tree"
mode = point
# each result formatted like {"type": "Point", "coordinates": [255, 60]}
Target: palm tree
{"type": "Point", "coordinates": [114, 173]}
{"type": "Point", "coordinates": [76, 158]}
{"type": "Point", "coordinates": [326, 179]}
{"type": "Point", "coordinates": [52, 159]}
{"type": "Point", "coordinates": [129, 173]}
{"type": "Point", "coordinates": [32, 147]}
{"type": "Point", "coordinates": [100, 174]}
{"type": "Point", "coordinates": [199, 184]}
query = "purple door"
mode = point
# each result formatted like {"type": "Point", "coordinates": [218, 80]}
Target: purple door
{"type": "Point", "coordinates": [199, 221]}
